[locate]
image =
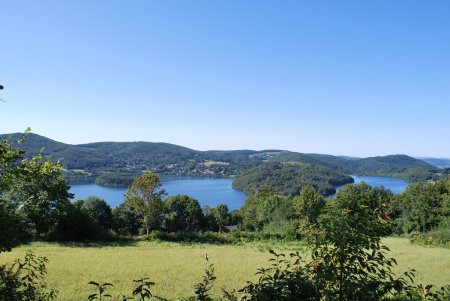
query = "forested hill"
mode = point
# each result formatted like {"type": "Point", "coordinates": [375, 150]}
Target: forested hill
{"type": "Point", "coordinates": [134, 157]}
{"type": "Point", "coordinates": [290, 178]}
{"type": "Point", "coordinates": [438, 162]}
{"type": "Point", "coordinates": [124, 158]}
{"type": "Point", "coordinates": [402, 166]}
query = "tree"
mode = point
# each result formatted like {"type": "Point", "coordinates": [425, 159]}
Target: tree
{"type": "Point", "coordinates": [348, 260]}
{"type": "Point", "coordinates": [8, 225]}
{"type": "Point", "coordinates": [308, 205]}
{"type": "Point", "coordinates": [86, 228]}
{"type": "Point", "coordinates": [126, 222]}
{"type": "Point", "coordinates": [145, 198]}
{"type": "Point", "coordinates": [183, 213]}
{"type": "Point", "coordinates": [263, 207]}
{"type": "Point", "coordinates": [9, 156]}
{"type": "Point", "coordinates": [40, 193]}
{"type": "Point", "coordinates": [421, 208]}
{"type": "Point", "coordinates": [99, 211]}
{"type": "Point", "coordinates": [359, 202]}
{"type": "Point", "coordinates": [221, 216]}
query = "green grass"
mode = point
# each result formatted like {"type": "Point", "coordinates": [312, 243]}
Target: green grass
{"type": "Point", "coordinates": [177, 267]}
{"type": "Point", "coordinates": [431, 263]}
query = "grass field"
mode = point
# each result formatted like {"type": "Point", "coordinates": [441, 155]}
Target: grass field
{"type": "Point", "coordinates": [176, 267]}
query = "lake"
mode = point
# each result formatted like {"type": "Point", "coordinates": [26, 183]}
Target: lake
{"type": "Point", "coordinates": [209, 191]}
{"type": "Point", "coordinates": [395, 185]}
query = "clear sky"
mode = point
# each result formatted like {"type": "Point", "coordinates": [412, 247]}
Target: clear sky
{"type": "Point", "coordinates": [359, 78]}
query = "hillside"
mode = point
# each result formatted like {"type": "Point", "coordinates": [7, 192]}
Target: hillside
{"type": "Point", "coordinates": [438, 162]}
{"type": "Point", "coordinates": [290, 178]}
{"type": "Point", "coordinates": [117, 161]}
{"type": "Point", "coordinates": [401, 166]}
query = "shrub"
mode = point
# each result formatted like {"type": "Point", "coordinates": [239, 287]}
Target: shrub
{"type": "Point", "coordinates": [24, 280]}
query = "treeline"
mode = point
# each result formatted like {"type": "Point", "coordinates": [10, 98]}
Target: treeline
{"type": "Point", "coordinates": [422, 212]}
{"type": "Point", "coordinates": [115, 180]}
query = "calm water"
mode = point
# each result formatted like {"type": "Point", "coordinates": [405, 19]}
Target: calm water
{"type": "Point", "coordinates": [209, 192]}
{"type": "Point", "coordinates": [395, 185]}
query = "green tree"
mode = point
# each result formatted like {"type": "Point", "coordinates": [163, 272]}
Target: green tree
{"type": "Point", "coordinates": [86, 228]}
{"type": "Point", "coordinates": [221, 216]}
{"type": "Point", "coordinates": [9, 222]}
{"type": "Point", "coordinates": [348, 260]}
{"type": "Point", "coordinates": [10, 155]}
{"type": "Point", "coordinates": [183, 213]}
{"type": "Point", "coordinates": [422, 208]}
{"type": "Point", "coordinates": [40, 193]}
{"type": "Point", "coordinates": [126, 222]}
{"type": "Point", "coordinates": [8, 225]}
{"type": "Point", "coordinates": [145, 198]}
{"type": "Point", "coordinates": [263, 207]}
{"type": "Point", "coordinates": [99, 211]}
{"type": "Point", "coordinates": [308, 205]}
{"type": "Point", "coordinates": [359, 201]}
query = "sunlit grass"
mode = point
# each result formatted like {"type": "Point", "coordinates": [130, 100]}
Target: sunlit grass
{"type": "Point", "coordinates": [176, 267]}
{"type": "Point", "coordinates": [432, 264]}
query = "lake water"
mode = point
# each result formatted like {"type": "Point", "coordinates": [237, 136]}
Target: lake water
{"type": "Point", "coordinates": [207, 191]}
{"type": "Point", "coordinates": [395, 185]}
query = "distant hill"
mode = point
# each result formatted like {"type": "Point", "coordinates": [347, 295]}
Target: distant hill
{"type": "Point", "coordinates": [438, 162]}
{"type": "Point", "coordinates": [92, 159]}
{"type": "Point", "coordinates": [117, 161]}
{"type": "Point", "coordinates": [401, 166]}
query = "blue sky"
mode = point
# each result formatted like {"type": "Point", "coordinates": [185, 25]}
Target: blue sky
{"type": "Point", "coordinates": [359, 78]}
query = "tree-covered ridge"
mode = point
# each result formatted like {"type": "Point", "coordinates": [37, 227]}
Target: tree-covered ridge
{"type": "Point", "coordinates": [438, 162]}
{"type": "Point", "coordinates": [113, 163]}
{"type": "Point", "coordinates": [401, 166]}
{"type": "Point", "coordinates": [290, 178]}
{"type": "Point", "coordinates": [93, 159]}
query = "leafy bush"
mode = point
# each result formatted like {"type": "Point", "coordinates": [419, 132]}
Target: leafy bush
{"type": "Point", "coordinates": [24, 280]}
{"type": "Point", "coordinates": [437, 237]}
{"type": "Point", "coordinates": [422, 208]}
{"type": "Point", "coordinates": [76, 225]}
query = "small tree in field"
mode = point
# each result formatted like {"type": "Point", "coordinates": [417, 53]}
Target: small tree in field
{"type": "Point", "coordinates": [145, 198]}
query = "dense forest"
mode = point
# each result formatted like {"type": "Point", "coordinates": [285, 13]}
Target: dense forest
{"type": "Point", "coordinates": [290, 178]}
{"type": "Point", "coordinates": [114, 164]}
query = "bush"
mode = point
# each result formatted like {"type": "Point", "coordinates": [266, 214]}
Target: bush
{"type": "Point", "coordinates": [437, 237]}
{"type": "Point", "coordinates": [77, 225]}
{"type": "Point", "coordinates": [24, 280]}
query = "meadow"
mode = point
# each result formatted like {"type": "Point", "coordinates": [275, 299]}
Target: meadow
{"type": "Point", "coordinates": [177, 267]}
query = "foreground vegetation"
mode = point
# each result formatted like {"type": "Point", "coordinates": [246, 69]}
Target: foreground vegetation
{"type": "Point", "coordinates": [177, 267]}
